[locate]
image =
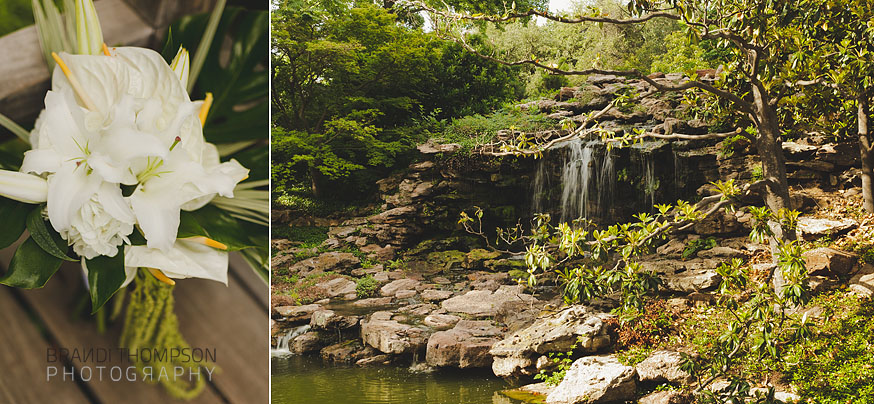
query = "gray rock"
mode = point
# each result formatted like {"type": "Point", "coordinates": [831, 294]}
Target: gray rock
{"type": "Point", "coordinates": [441, 321]}
{"type": "Point", "coordinates": [434, 295]}
{"type": "Point", "coordinates": [812, 228]}
{"type": "Point", "coordinates": [337, 287]}
{"type": "Point", "coordinates": [328, 319]}
{"type": "Point", "coordinates": [392, 337]}
{"type": "Point", "coordinates": [373, 302]}
{"type": "Point", "coordinates": [666, 397]}
{"type": "Point", "coordinates": [595, 379]}
{"type": "Point", "coordinates": [828, 261]}
{"type": "Point", "coordinates": [515, 355]}
{"type": "Point", "coordinates": [393, 287]}
{"type": "Point", "coordinates": [305, 343]}
{"type": "Point", "coordinates": [296, 314]}
{"type": "Point", "coordinates": [465, 346]}
{"type": "Point", "coordinates": [662, 366]}
{"type": "Point", "coordinates": [483, 303]}
{"type": "Point", "coordinates": [685, 276]}
{"type": "Point", "coordinates": [862, 282]}
{"type": "Point", "coordinates": [405, 294]}
{"type": "Point", "coordinates": [338, 262]}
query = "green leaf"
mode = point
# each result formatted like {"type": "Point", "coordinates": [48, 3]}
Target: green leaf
{"type": "Point", "coordinates": [240, 81]}
{"type": "Point", "coordinates": [105, 277]}
{"type": "Point", "coordinates": [31, 267]}
{"type": "Point", "coordinates": [15, 214]}
{"type": "Point", "coordinates": [210, 221]}
{"type": "Point", "coordinates": [47, 238]}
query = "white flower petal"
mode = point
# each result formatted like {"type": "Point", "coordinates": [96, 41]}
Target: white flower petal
{"type": "Point", "coordinates": [184, 260]}
{"type": "Point", "coordinates": [39, 161]}
{"type": "Point", "coordinates": [23, 187]}
{"type": "Point", "coordinates": [69, 188]}
{"type": "Point", "coordinates": [157, 213]}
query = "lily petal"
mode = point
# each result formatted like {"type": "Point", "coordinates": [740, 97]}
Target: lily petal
{"type": "Point", "coordinates": [23, 187]}
{"type": "Point", "coordinates": [184, 260]}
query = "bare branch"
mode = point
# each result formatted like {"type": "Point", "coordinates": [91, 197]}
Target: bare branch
{"type": "Point", "coordinates": [745, 106]}
{"type": "Point", "coordinates": [514, 15]}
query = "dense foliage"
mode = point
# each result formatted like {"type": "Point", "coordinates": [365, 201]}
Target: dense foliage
{"type": "Point", "coordinates": [352, 90]}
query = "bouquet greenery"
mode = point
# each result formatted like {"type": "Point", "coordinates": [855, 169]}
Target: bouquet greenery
{"type": "Point", "coordinates": [143, 184]}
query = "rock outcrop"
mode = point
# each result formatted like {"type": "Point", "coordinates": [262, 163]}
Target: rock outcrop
{"type": "Point", "coordinates": [516, 355]}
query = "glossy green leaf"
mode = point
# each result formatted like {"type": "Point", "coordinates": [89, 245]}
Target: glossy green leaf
{"type": "Point", "coordinates": [47, 238]}
{"type": "Point", "coordinates": [239, 82]}
{"type": "Point", "coordinates": [218, 225]}
{"type": "Point", "coordinates": [105, 277]}
{"type": "Point", "coordinates": [15, 215]}
{"type": "Point", "coordinates": [31, 267]}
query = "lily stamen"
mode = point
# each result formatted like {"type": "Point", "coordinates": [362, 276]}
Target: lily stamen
{"type": "Point", "coordinates": [161, 277]}
{"type": "Point", "coordinates": [207, 242]}
{"type": "Point", "coordinates": [175, 142]}
{"type": "Point", "coordinates": [204, 109]}
{"type": "Point", "coordinates": [77, 87]}
{"type": "Point", "coordinates": [106, 50]}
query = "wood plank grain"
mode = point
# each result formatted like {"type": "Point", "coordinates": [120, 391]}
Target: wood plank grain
{"type": "Point", "coordinates": [161, 13]}
{"type": "Point", "coordinates": [23, 360]}
{"type": "Point", "coordinates": [229, 319]}
{"type": "Point", "coordinates": [254, 284]}
{"type": "Point", "coordinates": [24, 74]}
{"type": "Point", "coordinates": [53, 304]}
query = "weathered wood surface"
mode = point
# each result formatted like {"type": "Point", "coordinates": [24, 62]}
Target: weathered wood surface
{"type": "Point", "coordinates": [229, 319]}
{"type": "Point", "coordinates": [24, 78]}
{"type": "Point", "coordinates": [23, 360]}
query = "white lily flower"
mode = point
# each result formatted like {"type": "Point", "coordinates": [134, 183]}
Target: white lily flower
{"type": "Point", "coordinates": [23, 187]}
{"type": "Point", "coordinates": [186, 259]}
{"type": "Point", "coordinates": [89, 36]}
{"type": "Point", "coordinates": [124, 118]}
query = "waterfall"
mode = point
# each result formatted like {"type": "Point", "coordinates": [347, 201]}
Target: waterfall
{"type": "Point", "coordinates": [541, 184]}
{"type": "Point", "coordinates": [650, 183]}
{"type": "Point", "coordinates": [283, 341]}
{"type": "Point", "coordinates": [588, 178]}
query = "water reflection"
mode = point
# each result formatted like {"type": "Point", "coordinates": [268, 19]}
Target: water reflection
{"type": "Point", "coordinates": [305, 380]}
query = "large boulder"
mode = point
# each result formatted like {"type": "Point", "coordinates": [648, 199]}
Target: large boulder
{"type": "Point", "coordinates": [663, 366]}
{"type": "Point", "coordinates": [595, 379]}
{"type": "Point", "coordinates": [393, 287]}
{"type": "Point", "coordinates": [389, 336]}
{"type": "Point", "coordinates": [337, 287]}
{"type": "Point", "coordinates": [339, 262]}
{"type": "Point", "coordinates": [297, 314]}
{"type": "Point", "coordinates": [812, 228]}
{"type": "Point", "coordinates": [580, 326]}
{"type": "Point", "coordinates": [828, 261]}
{"type": "Point", "coordinates": [465, 346]}
{"type": "Point", "coordinates": [484, 303]}
{"type": "Point", "coordinates": [694, 275]}
{"type": "Point", "coordinates": [330, 320]}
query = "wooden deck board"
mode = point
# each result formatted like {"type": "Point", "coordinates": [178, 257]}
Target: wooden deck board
{"type": "Point", "coordinates": [23, 360]}
{"type": "Point", "coordinates": [53, 304]}
{"type": "Point", "coordinates": [229, 319]}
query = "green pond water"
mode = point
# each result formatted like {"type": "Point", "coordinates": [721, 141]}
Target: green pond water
{"type": "Point", "coordinates": [306, 380]}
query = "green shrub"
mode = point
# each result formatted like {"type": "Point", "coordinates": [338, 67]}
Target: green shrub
{"type": "Point", "coordinates": [701, 244]}
{"type": "Point", "coordinates": [473, 130]}
{"type": "Point", "coordinates": [366, 287]}
{"type": "Point", "coordinates": [837, 364]}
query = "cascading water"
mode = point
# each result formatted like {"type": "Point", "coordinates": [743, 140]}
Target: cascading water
{"type": "Point", "coordinates": [283, 341]}
{"type": "Point", "coordinates": [650, 182]}
{"type": "Point", "coordinates": [588, 178]}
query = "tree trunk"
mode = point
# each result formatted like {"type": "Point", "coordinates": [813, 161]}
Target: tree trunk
{"type": "Point", "coordinates": [770, 149]}
{"type": "Point", "coordinates": [866, 154]}
{"type": "Point", "coordinates": [315, 180]}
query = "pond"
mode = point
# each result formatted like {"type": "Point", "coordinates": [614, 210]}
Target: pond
{"type": "Point", "coordinates": [307, 380]}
